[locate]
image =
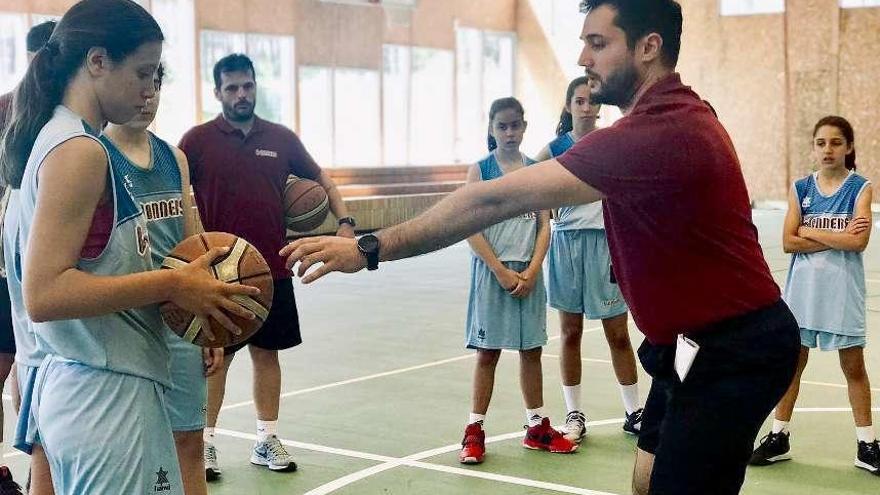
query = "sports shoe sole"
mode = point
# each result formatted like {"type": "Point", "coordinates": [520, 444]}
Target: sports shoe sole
{"type": "Point", "coordinates": [579, 438]}
{"type": "Point", "coordinates": [771, 460]}
{"type": "Point", "coordinates": [867, 467]}
{"type": "Point", "coordinates": [259, 461]}
{"type": "Point", "coordinates": [633, 433]}
{"type": "Point", "coordinates": [532, 447]}
{"type": "Point", "coordinates": [470, 460]}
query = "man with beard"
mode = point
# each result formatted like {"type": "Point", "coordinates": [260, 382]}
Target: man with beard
{"type": "Point", "coordinates": [721, 345]}
{"type": "Point", "coordinates": [239, 164]}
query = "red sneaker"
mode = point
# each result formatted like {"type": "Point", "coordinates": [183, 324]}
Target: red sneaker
{"type": "Point", "coordinates": [545, 437]}
{"type": "Point", "coordinates": [473, 447]}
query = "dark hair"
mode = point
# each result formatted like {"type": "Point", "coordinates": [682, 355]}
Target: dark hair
{"type": "Point", "coordinates": [566, 123]}
{"type": "Point", "coordinates": [119, 26]}
{"type": "Point", "coordinates": [846, 129]}
{"type": "Point", "coordinates": [160, 76]}
{"type": "Point", "coordinates": [233, 63]}
{"type": "Point", "coordinates": [509, 103]}
{"type": "Point", "coordinates": [39, 35]}
{"type": "Point", "coordinates": [639, 18]}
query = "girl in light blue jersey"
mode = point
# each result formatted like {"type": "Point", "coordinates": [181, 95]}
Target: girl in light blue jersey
{"type": "Point", "coordinates": [87, 281]}
{"type": "Point", "coordinates": [507, 302]}
{"type": "Point", "coordinates": [157, 176]}
{"type": "Point", "coordinates": [827, 228]}
{"type": "Point", "coordinates": [580, 281]}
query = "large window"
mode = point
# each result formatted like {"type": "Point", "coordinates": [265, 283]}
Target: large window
{"type": "Point", "coordinates": [13, 50]}
{"type": "Point", "coordinates": [418, 105]}
{"type": "Point", "coordinates": [273, 58]}
{"type": "Point", "coordinates": [849, 4]}
{"type": "Point", "coordinates": [340, 115]}
{"type": "Point", "coordinates": [177, 110]}
{"type": "Point", "coordinates": [485, 72]}
{"type": "Point", "coordinates": [750, 7]}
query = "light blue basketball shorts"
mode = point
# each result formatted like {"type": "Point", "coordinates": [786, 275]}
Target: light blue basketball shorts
{"type": "Point", "coordinates": [187, 397]}
{"type": "Point", "coordinates": [25, 427]}
{"type": "Point", "coordinates": [579, 275]}
{"type": "Point", "coordinates": [827, 341]}
{"type": "Point", "coordinates": [104, 432]}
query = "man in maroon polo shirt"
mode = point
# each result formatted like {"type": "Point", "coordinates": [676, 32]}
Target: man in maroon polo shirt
{"type": "Point", "coordinates": [683, 245]}
{"type": "Point", "coordinates": [239, 164]}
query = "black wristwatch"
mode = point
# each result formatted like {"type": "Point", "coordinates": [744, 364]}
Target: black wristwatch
{"type": "Point", "coordinates": [368, 245]}
{"type": "Point", "coordinates": [347, 220]}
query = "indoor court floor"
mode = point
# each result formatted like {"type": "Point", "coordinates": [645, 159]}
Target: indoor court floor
{"type": "Point", "coordinates": [375, 401]}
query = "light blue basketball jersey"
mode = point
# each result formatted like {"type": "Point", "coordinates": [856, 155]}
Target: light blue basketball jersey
{"type": "Point", "coordinates": [130, 341]}
{"type": "Point", "coordinates": [512, 239]}
{"type": "Point", "coordinates": [577, 217]}
{"type": "Point", "coordinates": [826, 290]}
{"type": "Point", "coordinates": [26, 350]}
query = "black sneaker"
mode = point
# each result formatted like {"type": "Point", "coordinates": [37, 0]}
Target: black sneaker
{"type": "Point", "coordinates": [773, 448]}
{"type": "Point", "coordinates": [868, 457]}
{"type": "Point", "coordinates": [633, 423]}
{"type": "Point", "coordinates": [7, 485]}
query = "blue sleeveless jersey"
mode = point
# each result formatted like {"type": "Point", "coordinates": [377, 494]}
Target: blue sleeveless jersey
{"type": "Point", "coordinates": [130, 341]}
{"type": "Point", "coordinates": [580, 216]}
{"type": "Point", "coordinates": [512, 239]}
{"type": "Point", "coordinates": [826, 290]}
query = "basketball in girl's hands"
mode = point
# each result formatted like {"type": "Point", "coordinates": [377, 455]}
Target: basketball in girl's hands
{"type": "Point", "coordinates": [243, 264]}
{"type": "Point", "coordinates": [305, 204]}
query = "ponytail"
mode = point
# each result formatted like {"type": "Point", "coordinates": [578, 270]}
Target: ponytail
{"type": "Point", "coordinates": [119, 26]}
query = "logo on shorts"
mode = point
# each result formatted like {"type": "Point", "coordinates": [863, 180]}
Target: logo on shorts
{"type": "Point", "coordinates": [481, 334]}
{"type": "Point", "coordinates": [162, 483]}
{"type": "Point", "coordinates": [611, 302]}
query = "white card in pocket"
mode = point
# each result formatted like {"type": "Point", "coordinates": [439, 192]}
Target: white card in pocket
{"type": "Point", "coordinates": [685, 353]}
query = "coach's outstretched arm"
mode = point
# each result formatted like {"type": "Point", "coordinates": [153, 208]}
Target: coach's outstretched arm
{"type": "Point", "coordinates": [465, 212]}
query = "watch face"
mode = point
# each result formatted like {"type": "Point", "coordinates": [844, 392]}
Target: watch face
{"type": "Point", "coordinates": [369, 243]}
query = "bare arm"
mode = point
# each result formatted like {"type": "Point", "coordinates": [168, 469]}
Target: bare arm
{"type": "Point", "coordinates": [72, 181]}
{"type": "Point", "coordinates": [459, 215]}
{"type": "Point", "coordinates": [791, 241]}
{"type": "Point", "coordinates": [337, 203]}
{"type": "Point", "coordinates": [858, 232]}
{"type": "Point", "coordinates": [542, 242]}
{"type": "Point", "coordinates": [544, 154]}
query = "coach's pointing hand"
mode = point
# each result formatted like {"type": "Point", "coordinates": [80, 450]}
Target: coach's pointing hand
{"type": "Point", "coordinates": [338, 254]}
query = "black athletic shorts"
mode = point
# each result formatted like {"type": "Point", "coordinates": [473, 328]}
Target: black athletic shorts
{"type": "Point", "coordinates": [7, 336]}
{"type": "Point", "coordinates": [281, 329]}
{"type": "Point", "coordinates": [702, 431]}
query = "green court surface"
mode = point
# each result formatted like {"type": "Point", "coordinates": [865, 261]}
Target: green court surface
{"type": "Point", "coordinates": [375, 400]}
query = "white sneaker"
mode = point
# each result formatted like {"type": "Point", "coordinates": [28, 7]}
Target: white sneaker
{"type": "Point", "coordinates": [272, 455]}
{"type": "Point", "coordinates": [212, 467]}
{"type": "Point", "coordinates": [575, 428]}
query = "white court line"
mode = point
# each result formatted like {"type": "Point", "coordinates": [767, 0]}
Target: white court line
{"type": "Point", "coordinates": [377, 375]}
{"type": "Point", "coordinates": [828, 409]}
{"type": "Point", "coordinates": [834, 385]}
{"type": "Point", "coordinates": [414, 461]}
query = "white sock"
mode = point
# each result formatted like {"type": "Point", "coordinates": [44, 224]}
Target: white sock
{"type": "Point", "coordinates": [476, 418]}
{"type": "Point", "coordinates": [865, 434]}
{"type": "Point", "coordinates": [534, 416]}
{"type": "Point", "coordinates": [208, 434]}
{"type": "Point", "coordinates": [630, 395]}
{"type": "Point", "coordinates": [572, 394]}
{"type": "Point", "coordinates": [779, 426]}
{"type": "Point", "coordinates": [266, 429]}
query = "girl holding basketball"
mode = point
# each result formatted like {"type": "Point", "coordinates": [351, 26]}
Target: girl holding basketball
{"type": "Point", "coordinates": [507, 302]}
{"type": "Point", "coordinates": [98, 396]}
{"type": "Point", "coordinates": [580, 282]}
{"type": "Point", "coordinates": [158, 180]}
{"type": "Point", "coordinates": [827, 228]}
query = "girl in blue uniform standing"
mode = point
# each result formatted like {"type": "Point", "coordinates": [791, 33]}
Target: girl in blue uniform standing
{"type": "Point", "coordinates": [580, 281]}
{"type": "Point", "coordinates": [507, 302]}
{"type": "Point", "coordinates": [827, 228]}
{"type": "Point", "coordinates": [88, 286]}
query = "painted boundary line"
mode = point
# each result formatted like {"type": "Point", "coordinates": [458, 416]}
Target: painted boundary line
{"type": "Point", "coordinates": [377, 375]}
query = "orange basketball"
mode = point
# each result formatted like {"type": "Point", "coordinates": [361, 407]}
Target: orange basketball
{"type": "Point", "coordinates": [243, 264]}
{"type": "Point", "coordinates": [305, 204]}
